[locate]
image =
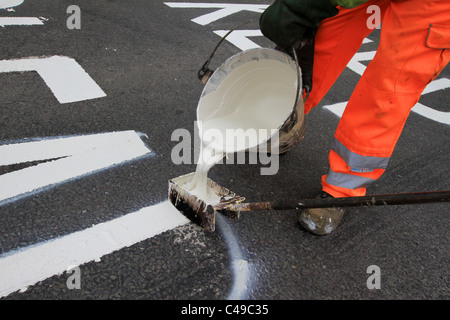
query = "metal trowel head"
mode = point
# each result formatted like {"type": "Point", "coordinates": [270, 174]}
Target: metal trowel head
{"type": "Point", "coordinates": [196, 209]}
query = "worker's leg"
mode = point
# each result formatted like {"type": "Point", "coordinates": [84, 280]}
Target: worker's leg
{"type": "Point", "coordinates": [411, 53]}
{"type": "Point", "coordinates": [337, 40]}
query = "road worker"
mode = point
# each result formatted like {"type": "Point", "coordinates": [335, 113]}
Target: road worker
{"type": "Point", "coordinates": [413, 49]}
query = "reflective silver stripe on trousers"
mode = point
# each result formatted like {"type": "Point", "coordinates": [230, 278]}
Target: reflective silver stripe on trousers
{"type": "Point", "coordinates": [348, 181]}
{"type": "Point", "coordinates": [359, 162]}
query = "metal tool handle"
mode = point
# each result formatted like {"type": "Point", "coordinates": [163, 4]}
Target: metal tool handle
{"type": "Point", "coordinates": [375, 200]}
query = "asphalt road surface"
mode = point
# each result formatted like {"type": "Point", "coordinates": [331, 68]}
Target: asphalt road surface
{"type": "Point", "coordinates": [90, 96]}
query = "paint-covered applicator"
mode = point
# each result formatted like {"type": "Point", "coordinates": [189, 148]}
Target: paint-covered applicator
{"type": "Point", "coordinates": [231, 205]}
{"type": "Point", "coordinates": [196, 209]}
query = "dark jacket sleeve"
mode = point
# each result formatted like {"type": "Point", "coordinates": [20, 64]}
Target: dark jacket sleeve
{"type": "Point", "coordinates": [285, 21]}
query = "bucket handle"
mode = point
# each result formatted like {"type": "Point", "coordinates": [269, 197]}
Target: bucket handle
{"type": "Point", "coordinates": [204, 73]}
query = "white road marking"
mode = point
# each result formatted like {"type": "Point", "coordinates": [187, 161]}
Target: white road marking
{"type": "Point", "coordinates": [239, 264]}
{"type": "Point", "coordinates": [419, 108]}
{"type": "Point", "coordinates": [6, 4]}
{"type": "Point", "coordinates": [30, 265]}
{"type": "Point", "coordinates": [337, 108]}
{"type": "Point", "coordinates": [355, 63]}
{"type": "Point", "coordinates": [436, 85]}
{"type": "Point", "coordinates": [432, 114]}
{"type": "Point", "coordinates": [80, 155]}
{"type": "Point", "coordinates": [20, 21]}
{"type": "Point", "coordinates": [63, 75]}
{"type": "Point", "coordinates": [225, 9]}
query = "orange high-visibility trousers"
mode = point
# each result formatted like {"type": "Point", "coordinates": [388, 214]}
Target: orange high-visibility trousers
{"type": "Point", "coordinates": [413, 49]}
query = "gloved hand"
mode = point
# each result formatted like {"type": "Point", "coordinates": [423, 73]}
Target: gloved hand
{"type": "Point", "coordinates": [286, 21]}
{"type": "Point", "coordinates": [292, 25]}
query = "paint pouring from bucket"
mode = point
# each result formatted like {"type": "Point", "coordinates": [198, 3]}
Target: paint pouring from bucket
{"type": "Point", "coordinates": [246, 103]}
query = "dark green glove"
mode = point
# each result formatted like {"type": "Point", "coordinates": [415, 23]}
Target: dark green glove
{"type": "Point", "coordinates": [292, 25]}
{"type": "Point", "coordinates": [285, 21]}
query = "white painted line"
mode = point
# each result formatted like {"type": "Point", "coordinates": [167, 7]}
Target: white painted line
{"type": "Point", "coordinates": [6, 4]}
{"type": "Point", "coordinates": [419, 108]}
{"type": "Point", "coordinates": [212, 5]}
{"type": "Point", "coordinates": [240, 266]}
{"type": "Point", "coordinates": [337, 108]}
{"type": "Point", "coordinates": [63, 75]}
{"type": "Point", "coordinates": [39, 262]}
{"type": "Point", "coordinates": [225, 9]}
{"type": "Point", "coordinates": [57, 147]}
{"type": "Point", "coordinates": [239, 38]}
{"type": "Point", "coordinates": [355, 64]}
{"type": "Point", "coordinates": [432, 114]}
{"type": "Point", "coordinates": [427, 112]}
{"type": "Point", "coordinates": [20, 21]}
{"type": "Point", "coordinates": [82, 155]}
{"type": "Point", "coordinates": [436, 85]}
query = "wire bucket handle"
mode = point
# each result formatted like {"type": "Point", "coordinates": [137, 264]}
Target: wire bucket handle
{"type": "Point", "coordinates": [204, 73]}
